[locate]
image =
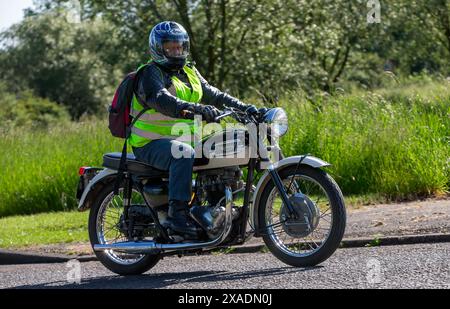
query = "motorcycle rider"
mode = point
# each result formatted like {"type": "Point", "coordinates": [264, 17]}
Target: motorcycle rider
{"type": "Point", "coordinates": [170, 86]}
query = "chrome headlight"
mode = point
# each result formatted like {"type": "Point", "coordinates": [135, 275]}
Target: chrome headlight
{"type": "Point", "coordinates": [278, 120]}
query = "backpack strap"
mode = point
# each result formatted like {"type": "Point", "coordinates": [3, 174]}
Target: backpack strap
{"type": "Point", "coordinates": [123, 158]}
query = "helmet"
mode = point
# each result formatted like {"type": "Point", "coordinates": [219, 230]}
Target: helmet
{"type": "Point", "coordinates": [169, 45]}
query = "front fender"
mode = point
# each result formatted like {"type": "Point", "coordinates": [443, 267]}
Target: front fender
{"type": "Point", "coordinates": [94, 185]}
{"type": "Point", "coordinates": [279, 166]}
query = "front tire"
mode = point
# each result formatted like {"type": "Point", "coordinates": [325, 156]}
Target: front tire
{"type": "Point", "coordinates": [322, 242]}
{"type": "Point", "coordinates": [119, 263]}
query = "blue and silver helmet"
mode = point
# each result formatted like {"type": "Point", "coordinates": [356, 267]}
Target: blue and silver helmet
{"type": "Point", "coordinates": [169, 45]}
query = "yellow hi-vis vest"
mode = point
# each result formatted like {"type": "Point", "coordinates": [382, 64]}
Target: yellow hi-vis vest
{"type": "Point", "coordinates": [153, 125]}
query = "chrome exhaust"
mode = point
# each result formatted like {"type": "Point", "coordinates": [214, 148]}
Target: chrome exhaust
{"type": "Point", "coordinates": [153, 247]}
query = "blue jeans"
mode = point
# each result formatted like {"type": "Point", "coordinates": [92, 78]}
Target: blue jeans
{"type": "Point", "coordinates": [158, 154]}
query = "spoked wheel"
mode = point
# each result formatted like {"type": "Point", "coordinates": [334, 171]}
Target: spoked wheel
{"type": "Point", "coordinates": [105, 228]}
{"type": "Point", "coordinates": [314, 234]}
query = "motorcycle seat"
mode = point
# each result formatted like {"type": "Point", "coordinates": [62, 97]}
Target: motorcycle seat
{"type": "Point", "coordinates": [112, 161]}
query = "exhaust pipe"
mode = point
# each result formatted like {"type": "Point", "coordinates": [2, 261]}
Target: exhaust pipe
{"type": "Point", "coordinates": [153, 247]}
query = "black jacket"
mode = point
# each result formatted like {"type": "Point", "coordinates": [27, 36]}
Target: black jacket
{"type": "Point", "coordinates": [154, 83]}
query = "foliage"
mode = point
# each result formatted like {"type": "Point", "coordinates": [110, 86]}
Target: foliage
{"type": "Point", "coordinates": [26, 110]}
{"type": "Point", "coordinates": [62, 61]}
{"type": "Point", "coordinates": [373, 146]}
{"type": "Point", "coordinates": [370, 98]}
{"type": "Point", "coordinates": [249, 48]}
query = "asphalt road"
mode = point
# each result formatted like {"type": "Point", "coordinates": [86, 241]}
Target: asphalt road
{"type": "Point", "coordinates": [415, 266]}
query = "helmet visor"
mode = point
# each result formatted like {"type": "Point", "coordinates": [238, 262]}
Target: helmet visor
{"type": "Point", "coordinates": [176, 48]}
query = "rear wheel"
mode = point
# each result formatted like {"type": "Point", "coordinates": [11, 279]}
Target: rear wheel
{"type": "Point", "coordinates": [316, 233]}
{"type": "Point", "coordinates": [104, 228]}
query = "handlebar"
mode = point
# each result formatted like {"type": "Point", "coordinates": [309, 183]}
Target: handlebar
{"type": "Point", "coordinates": [224, 114]}
{"type": "Point", "coordinates": [240, 116]}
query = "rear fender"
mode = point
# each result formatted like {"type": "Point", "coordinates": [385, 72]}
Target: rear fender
{"type": "Point", "coordinates": [90, 192]}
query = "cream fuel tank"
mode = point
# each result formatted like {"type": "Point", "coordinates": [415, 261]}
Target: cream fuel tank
{"type": "Point", "coordinates": [223, 149]}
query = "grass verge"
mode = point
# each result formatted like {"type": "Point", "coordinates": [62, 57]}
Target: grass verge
{"type": "Point", "coordinates": [44, 229]}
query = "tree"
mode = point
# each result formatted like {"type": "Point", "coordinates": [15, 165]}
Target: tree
{"type": "Point", "coordinates": [73, 64]}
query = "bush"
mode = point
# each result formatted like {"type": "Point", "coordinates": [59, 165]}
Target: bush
{"type": "Point", "coordinates": [26, 110]}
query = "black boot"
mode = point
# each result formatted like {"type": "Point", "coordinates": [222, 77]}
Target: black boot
{"type": "Point", "coordinates": [178, 219]}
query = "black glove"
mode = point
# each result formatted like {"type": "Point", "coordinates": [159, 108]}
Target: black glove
{"type": "Point", "coordinates": [252, 110]}
{"type": "Point", "coordinates": [208, 112]}
{"type": "Point", "coordinates": [262, 111]}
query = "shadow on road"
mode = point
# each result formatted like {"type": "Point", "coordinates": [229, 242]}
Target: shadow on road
{"type": "Point", "coordinates": [164, 280]}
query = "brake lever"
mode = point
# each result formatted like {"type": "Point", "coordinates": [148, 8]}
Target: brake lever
{"type": "Point", "coordinates": [225, 114]}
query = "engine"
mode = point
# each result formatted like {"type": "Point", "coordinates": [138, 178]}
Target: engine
{"type": "Point", "coordinates": [210, 184]}
{"type": "Point", "coordinates": [209, 211]}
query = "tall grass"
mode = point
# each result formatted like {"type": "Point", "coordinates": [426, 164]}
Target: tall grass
{"type": "Point", "coordinates": [40, 169]}
{"type": "Point", "coordinates": [393, 142]}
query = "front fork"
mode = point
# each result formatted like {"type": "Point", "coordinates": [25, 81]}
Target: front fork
{"type": "Point", "coordinates": [280, 186]}
{"type": "Point", "coordinates": [281, 190]}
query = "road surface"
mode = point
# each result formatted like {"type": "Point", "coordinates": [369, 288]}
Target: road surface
{"type": "Point", "coordinates": [414, 266]}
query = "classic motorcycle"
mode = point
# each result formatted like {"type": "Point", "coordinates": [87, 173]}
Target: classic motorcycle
{"type": "Point", "coordinates": [296, 207]}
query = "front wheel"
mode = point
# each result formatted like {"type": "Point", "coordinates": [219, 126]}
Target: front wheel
{"type": "Point", "coordinates": [104, 228]}
{"type": "Point", "coordinates": [314, 234]}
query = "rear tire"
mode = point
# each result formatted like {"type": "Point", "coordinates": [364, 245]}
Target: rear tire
{"type": "Point", "coordinates": [145, 262]}
{"type": "Point", "coordinates": [337, 224]}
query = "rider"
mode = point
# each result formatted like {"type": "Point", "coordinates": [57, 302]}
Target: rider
{"type": "Point", "coordinates": [170, 86]}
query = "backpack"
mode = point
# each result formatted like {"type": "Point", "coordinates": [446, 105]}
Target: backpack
{"type": "Point", "coordinates": [119, 110]}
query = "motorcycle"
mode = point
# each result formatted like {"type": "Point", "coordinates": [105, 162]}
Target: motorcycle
{"type": "Point", "coordinates": [295, 206]}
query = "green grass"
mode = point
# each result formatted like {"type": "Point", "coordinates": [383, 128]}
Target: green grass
{"type": "Point", "coordinates": [391, 144]}
{"type": "Point", "coordinates": [40, 168]}
{"type": "Point", "coordinates": [43, 229]}
{"type": "Point", "coordinates": [386, 143]}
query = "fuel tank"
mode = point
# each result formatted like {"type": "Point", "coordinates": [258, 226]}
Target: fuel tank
{"type": "Point", "coordinates": [222, 149]}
